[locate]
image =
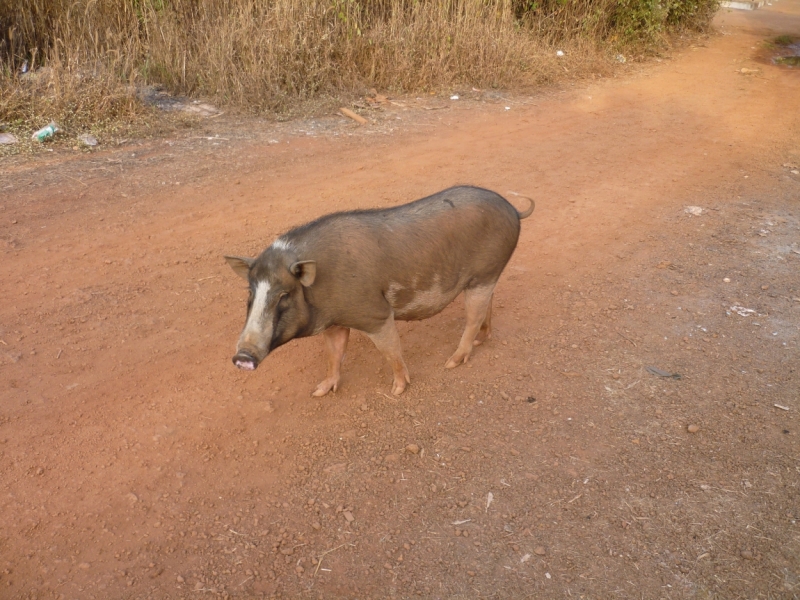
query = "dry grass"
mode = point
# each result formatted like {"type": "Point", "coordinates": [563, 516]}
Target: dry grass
{"type": "Point", "coordinates": [268, 55]}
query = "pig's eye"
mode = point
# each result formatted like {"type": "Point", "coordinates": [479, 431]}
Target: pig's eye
{"type": "Point", "coordinates": [282, 296]}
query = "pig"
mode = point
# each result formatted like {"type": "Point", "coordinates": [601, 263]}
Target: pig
{"type": "Point", "coordinates": [367, 269]}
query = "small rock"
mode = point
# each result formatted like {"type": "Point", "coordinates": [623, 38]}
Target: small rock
{"type": "Point", "coordinates": [391, 458]}
{"type": "Point", "coordinates": [269, 407]}
{"type": "Point", "coordinates": [514, 452]}
{"type": "Point", "coordinates": [559, 53]}
{"type": "Point", "coordinates": [504, 396]}
{"type": "Point", "coordinates": [693, 428]}
{"type": "Point", "coordinates": [674, 292]}
{"type": "Point", "coordinates": [765, 287]}
{"type": "Point", "coordinates": [746, 554]}
{"type": "Point", "coordinates": [180, 579]}
{"type": "Point", "coordinates": [412, 448]}
{"type": "Point", "coordinates": [726, 279]}
{"type": "Point", "coordinates": [299, 569]}
{"type": "Point", "coordinates": [84, 566]}
{"type": "Point", "coordinates": [132, 498]}
{"type": "Point", "coordinates": [8, 138]}
{"type": "Point", "coordinates": [316, 525]}
{"type": "Point", "coordinates": [539, 551]}
{"type": "Point", "coordinates": [349, 516]}
{"type": "Point", "coordinates": [87, 139]}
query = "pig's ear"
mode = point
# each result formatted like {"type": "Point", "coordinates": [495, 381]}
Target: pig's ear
{"type": "Point", "coordinates": [305, 271]}
{"type": "Point", "coordinates": [240, 265]}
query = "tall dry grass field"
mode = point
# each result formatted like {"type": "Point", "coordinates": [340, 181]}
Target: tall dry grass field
{"type": "Point", "coordinates": [86, 57]}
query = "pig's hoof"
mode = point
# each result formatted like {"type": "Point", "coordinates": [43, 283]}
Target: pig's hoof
{"type": "Point", "coordinates": [456, 360]}
{"type": "Point", "coordinates": [325, 387]}
{"type": "Point", "coordinates": [399, 387]}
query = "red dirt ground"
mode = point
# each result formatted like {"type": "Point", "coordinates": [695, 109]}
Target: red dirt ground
{"type": "Point", "coordinates": [137, 462]}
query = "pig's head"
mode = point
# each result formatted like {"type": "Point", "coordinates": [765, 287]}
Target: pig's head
{"type": "Point", "coordinates": [277, 310]}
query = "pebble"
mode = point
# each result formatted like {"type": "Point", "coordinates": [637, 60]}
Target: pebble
{"type": "Point", "coordinates": [726, 279]}
{"type": "Point", "coordinates": [349, 516]}
{"type": "Point", "coordinates": [180, 579]}
{"type": "Point", "coordinates": [746, 554]}
{"type": "Point", "coordinates": [84, 566]}
{"type": "Point", "coordinates": [269, 407]}
{"type": "Point", "coordinates": [504, 396]}
{"type": "Point", "coordinates": [412, 448]}
{"type": "Point", "coordinates": [693, 428]}
{"type": "Point", "coordinates": [765, 287]}
{"type": "Point", "coordinates": [539, 551]}
{"type": "Point", "coordinates": [514, 452]}
{"type": "Point", "coordinates": [315, 525]}
{"type": "Point", "coordinates": [674, 292]}
{"type": "Point", "coordinates": [390, 458]}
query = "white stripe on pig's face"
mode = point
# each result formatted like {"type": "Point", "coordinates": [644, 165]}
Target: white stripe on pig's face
{"type": "Point", "coordinates": [277, 310]}
{"type": "Point", "coordinates": [256, 336]}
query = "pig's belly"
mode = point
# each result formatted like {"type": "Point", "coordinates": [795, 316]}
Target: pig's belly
{"type": "Point", "coordinates": [413, 305]}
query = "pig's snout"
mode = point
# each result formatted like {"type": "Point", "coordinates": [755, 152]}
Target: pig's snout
{"type": "Point", "coordinates": [245, 361]}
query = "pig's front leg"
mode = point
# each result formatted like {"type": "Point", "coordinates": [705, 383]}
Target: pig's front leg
{"type": "Point", "coordinates": [387, 341]}
{"type": "Point", "coordinates": [336, 344]}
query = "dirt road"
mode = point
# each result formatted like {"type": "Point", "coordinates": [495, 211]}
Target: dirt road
{"type": "Point", "coordinates": [137, 462]}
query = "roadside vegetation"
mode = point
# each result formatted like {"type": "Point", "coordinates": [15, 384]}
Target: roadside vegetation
{"type": "Point", "coordinates": [81, 62]}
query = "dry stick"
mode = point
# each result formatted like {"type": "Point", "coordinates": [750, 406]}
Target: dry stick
{"type": "Point", "coordinates": [349, 113]}
{"type": "Point", "coordinates": [78, 180]}
{"type": "Point", "coordinates": [627, 338]}
{"type": "Point", "coordinates": [319, 562]}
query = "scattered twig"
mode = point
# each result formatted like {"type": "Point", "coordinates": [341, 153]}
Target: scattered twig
{"type": "Point", "coordinates": [781, 407]}
{"type": "Point", "coordinates": [78, 180]}
{"type": "Point", "coordinates": [626, 338]}
{"type": "Point", "coordinates": [59, 354]}
{"type": "Point", "coordinates": [575, 498]}
{"type": "Point", "coordinates": [245, 581]}
{"type": "Point", "coordinates": [351, 115]}
{"type": "Point", "coordinates": [324, 554]}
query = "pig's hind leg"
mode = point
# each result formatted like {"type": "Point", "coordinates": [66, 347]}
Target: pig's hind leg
{"type": "Point", "coordinates": [387, 340]}
{"type": "Point", "coordinates": [485, 331]}
{"type": "Point", "coordinates": [478, 303]}
{"type": "Point", "coordinates": [335, 343]}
